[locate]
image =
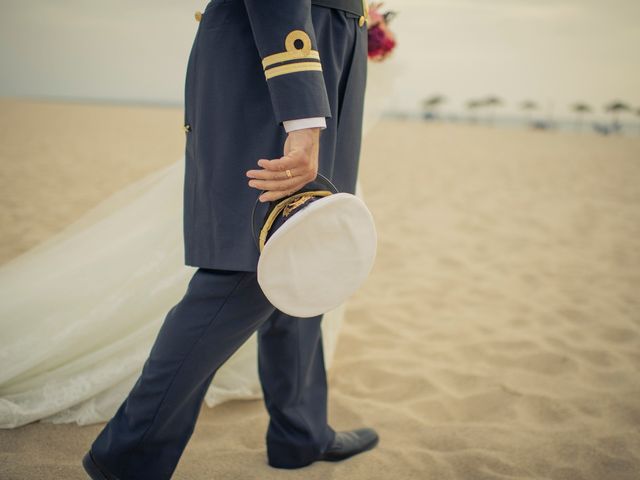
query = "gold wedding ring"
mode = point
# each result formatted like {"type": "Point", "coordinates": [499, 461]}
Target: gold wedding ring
{"type": "Point", "coordinates": [289, 173]}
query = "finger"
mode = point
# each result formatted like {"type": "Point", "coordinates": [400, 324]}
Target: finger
{"type": "Point", "coordinates": [275, 195]}
{"type": "Point", "coordinates": [282, 163]}
{"type": "Point", "coordinates": [285, 184]}
{"type": "Point", "coordinates": [264, 174]}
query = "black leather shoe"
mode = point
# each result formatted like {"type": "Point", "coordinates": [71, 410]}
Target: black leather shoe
{"type": "Point", "coordinates": [95, 471]}
{"type": "Point", "coordinates": [349, 443]}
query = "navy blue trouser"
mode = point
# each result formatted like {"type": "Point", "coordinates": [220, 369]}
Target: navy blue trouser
{"type": "Point", "coordinates": [218, 313]}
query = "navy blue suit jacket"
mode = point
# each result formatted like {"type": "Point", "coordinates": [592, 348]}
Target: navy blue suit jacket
{"type": "Point", "coordinates": [254, 64]}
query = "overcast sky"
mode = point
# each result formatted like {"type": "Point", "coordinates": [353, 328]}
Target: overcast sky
{"type": "Point", "coordinates": [551, 51]}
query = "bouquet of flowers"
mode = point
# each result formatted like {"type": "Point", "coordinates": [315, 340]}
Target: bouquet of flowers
{"type": "Point", "coordinates": [381, 39]}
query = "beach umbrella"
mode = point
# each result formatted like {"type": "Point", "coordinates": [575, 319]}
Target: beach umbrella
{"type": "Point", "coordinates": [472, 105]}
{"type": "Point", "coordinates": [430, 105]}
{"type": "Point", "coordinates": [528, 106]}
{"type": "Point", "coordinates": [615, 108]}
{"type": "Point", "coordinates": [491, 102]}
{"type": "Point", "coordinates": [580, 109]}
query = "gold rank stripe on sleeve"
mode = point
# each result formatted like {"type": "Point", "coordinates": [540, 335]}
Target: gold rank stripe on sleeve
{"type": "Point", "coordinates": [292, 68]}
{"type": "Point", "coordinates": [285, 56]}
{"type": "Point", "coordinates": [297, 59]}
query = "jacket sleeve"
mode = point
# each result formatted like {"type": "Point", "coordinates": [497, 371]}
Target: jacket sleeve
{"type": "Point", "coordinates": [286, 42]}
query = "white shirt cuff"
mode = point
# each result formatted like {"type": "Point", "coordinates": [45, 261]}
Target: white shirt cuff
{"type": "Point", "coordinates": [310, 122]}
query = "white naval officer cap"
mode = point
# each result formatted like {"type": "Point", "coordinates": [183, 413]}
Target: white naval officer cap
{"type": "Point", "coordinates": [317, 247]}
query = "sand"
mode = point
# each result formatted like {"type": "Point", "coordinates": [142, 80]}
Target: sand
{"type": "Point", "coordinates": [498, 335]}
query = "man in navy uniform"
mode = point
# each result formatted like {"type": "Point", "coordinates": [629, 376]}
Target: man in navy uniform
{"type": "Point", "coordinates": [274, 94]}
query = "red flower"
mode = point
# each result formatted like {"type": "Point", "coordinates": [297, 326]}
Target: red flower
{"type": "Point", "coordinates": [381, 39]}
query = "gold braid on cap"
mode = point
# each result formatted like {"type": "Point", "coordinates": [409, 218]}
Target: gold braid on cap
{"type": "Point", "coordinates": [288, 205]}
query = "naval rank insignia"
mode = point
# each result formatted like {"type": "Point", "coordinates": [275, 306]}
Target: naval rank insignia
{"type": "Point", "coordinates": [293, 59]}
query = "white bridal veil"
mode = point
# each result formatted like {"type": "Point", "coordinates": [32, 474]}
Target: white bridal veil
{"type": "Point", "coordinates": [80, 311]}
